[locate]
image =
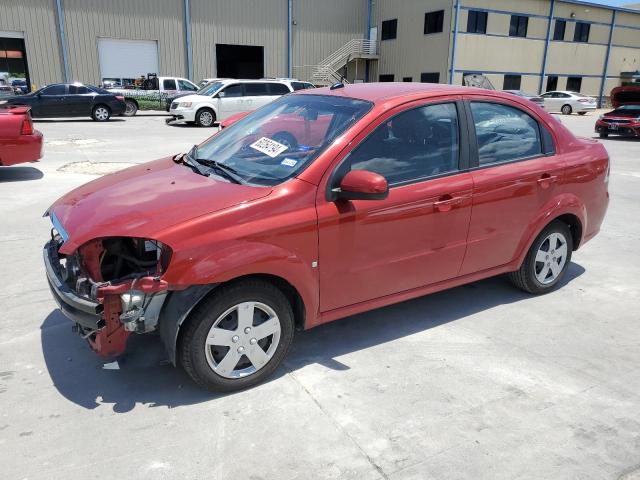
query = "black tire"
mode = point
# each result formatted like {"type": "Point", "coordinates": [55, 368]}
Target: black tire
{"type": "Point", "coordinates": [566, 109]}
{"type": "Point", "coordinates": [525, 277]}
{"type": "Point", "coordinates": [604, 135]}
{"type": "Point", "coordinates": [582, 113]}
{"type": "Point", "coordinates": [191, 346]}
{"type": "Point", "coordinates": [205, 117]}
{"type": "Point", "coordinates": [101, 113]}
{"type": "Point", "coordinates": [131, 108]}
{"type": "Point", "coordinates": [287, 139]}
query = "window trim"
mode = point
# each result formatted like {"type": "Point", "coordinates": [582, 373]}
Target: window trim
{"type": "Point", "coordinates": [473, 141]}
{"type": "Point", "coordinates": [464, 151]}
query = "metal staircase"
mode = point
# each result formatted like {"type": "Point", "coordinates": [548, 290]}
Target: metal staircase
{"type": "Point", "coordinates": [330, 70]}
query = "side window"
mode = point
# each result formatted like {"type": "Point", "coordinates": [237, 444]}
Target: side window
{"type": "Point", "coordinates": [78, 90]}
{"type": "Point", "coordinates": [54, 90]}
{"type": "Point", "coordinates": [169, 84]}
{"type": "Point", "coordinates": [188, 86]}
{"type": "Point", "coordinates": [255, 89]}
{"type": "Point", "coordinates": [301, 85]}
{"type": "Point", "coordinates": [233, 91]}
{"type": "Point", "coordinates": [278, 89]}
{"type": "Point", "coordinates": [415, 144]}
{"type": "Point", "coordinates": [504, 133]}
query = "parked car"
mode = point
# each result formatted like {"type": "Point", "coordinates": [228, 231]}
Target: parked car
{"type": "Point", "coordinates": [624, 121]}
{"type": "Point", "coordinates": [219, 100]}
{"type": "Point", "coordinates": [228, 248]}
{"type": "Point", "coordinates": [20, 86]}
{"type": "Point", "coordinates": [70, 100]}
{"type": "Point", "coordinates": [152, 91]}
{"type": "Point", "coordinates": [19, 141]}
{"type": "Point", "coordinates": [625, 95]}
{"type": "Point", "coordinates": [5, 87]}
{"type": "Point", "coordinates": [532, 97]}
{"type": "Point", "coordinates": [568, 102]}
{"type": "Point", "coordinates": [203, 84]}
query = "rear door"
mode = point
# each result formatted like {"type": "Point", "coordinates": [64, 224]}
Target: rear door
{"type": "Point", "coordinates": [79, 101]}
{"type": "Point", "coordinates": [256, 95]}
{"type": "Point", "coordinates": [515, 172]}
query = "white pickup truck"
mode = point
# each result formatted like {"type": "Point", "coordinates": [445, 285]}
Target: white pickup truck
{"type": "Point", "coordinates": [152, 92]}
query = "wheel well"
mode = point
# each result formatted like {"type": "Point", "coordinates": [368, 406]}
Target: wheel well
{"type": "Point", "coordinates": [215, 117]}
{"type": "Point", "coordinates": [575, 226]}
{"type": "Point", "coordinates": [101, 105]}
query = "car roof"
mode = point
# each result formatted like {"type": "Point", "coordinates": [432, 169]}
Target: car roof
{"type": "Point", "coordinates": [252, 80]}
{"type": "Point", "coordinates": [380, 92]}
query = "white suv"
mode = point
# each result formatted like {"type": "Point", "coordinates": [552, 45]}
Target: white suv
{"type": "Point", "coordinates": [221, 99]}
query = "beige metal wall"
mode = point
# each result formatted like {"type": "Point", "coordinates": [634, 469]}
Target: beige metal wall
{"type": "Point", "coordinates": [36, 19]}
{"type": "Point", "coordinates": [88, 20]}
{"type": "Point", "coordinates": [239, 22]}
{"type": "Point", "coordinates": [412, 52]}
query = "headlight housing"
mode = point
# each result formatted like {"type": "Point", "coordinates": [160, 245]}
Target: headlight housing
{"type": "Point", "coordinates": [185, 104]}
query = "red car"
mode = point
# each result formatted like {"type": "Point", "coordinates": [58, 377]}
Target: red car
{"type": "Point", "coordinates": [624, 120]}
{"type": "Point", "coordinates": [19, 142]}
{"type": "Point", "coordinates": [387, 192]}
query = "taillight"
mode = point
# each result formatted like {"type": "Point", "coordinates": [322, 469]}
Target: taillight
{"type": "Point", "coordinates": [120, 97]}
{"type": "Point", "coordinates": [584, 100]}
{"type": "Point", "coordinates": [27, 126]}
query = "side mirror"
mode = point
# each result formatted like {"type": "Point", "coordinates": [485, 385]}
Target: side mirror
{"type": "Point", "coordinates": [362, 185]}
{"type": "Point", "coordinates": [219, 95]}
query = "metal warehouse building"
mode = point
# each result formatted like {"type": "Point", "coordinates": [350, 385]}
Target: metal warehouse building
{"type": "Point", "coordinates": [536, 45]}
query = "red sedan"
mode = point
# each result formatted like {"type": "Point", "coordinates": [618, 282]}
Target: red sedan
{"type": "Point", "coordinates": [624, 120]}
{"type": "Point", "coordinates": [19, 142]}
{"type": "Point", "coordinates": [380, 193]}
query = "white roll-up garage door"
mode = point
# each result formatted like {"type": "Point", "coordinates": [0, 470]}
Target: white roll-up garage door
{"type": "Point", "coordinates": [127, 58]}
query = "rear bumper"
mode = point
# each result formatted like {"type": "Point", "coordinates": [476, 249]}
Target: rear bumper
{"type": "Point", "coordinates": [80, 310]}
{"type": "Point", "coordinates": [618, 129]}
{"type": "Point", "coordinates": [21, 149]}
{"type": "Point", "coordinates": [118, 108]}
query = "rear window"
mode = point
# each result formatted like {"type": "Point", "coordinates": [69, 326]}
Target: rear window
{"type": "Point", "coordinates": [278, 89]}
{"type": "Point", "coordinates": [301, 85]}
{"type": "Point", "coordinates": [78, 90]}
{"type": "Point", "coordinates": [255, 89]}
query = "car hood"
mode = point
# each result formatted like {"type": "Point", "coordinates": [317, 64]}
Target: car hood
{"type": "Point", "coordinates": [143, 200]}
{"type": "Point", "coordinates": [195, 98]}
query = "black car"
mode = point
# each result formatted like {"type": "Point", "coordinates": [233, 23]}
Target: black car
{"type": "Point", "coordinates": [70, 100]}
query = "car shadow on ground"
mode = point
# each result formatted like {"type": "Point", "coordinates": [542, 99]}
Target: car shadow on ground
{"type": "Point", "coordinates": [74, 120]}
{"type": "Point", "coordinates": [144, 376]}
{"type": "Point", "coordinates": [617, 138]}
{"type": "Point", "coordinates": [19, 174]}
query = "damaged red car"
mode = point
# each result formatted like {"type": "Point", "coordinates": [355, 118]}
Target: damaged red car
{"type": "Point", "coordinates": [323, 204]}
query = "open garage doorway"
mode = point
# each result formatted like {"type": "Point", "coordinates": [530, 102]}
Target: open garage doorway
{"type": "Point", "coordinates": [239, 61]}
{"type": "Point", "coordinates": [13, 62]}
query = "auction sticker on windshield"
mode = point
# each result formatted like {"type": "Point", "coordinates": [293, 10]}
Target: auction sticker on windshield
{"type": "Point", "coordinates": [268, 147]}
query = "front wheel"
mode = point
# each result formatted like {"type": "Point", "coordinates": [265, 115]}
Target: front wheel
{"type": "Point", "coordinates": [101, 113]}
{"type": "Point", "coordinates": [566, 110]}
{"type": "Point", "coordinates": [205, 117]}
{"type": "Point", "coordinates": [547, 260]}
{"type": "Point", "coordinates": [237, 337]}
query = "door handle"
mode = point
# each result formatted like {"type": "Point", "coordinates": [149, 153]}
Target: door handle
{"type": "Point", "coordinates": [546, 180]}
{"type": "Point", "coordinates": [447, 202]}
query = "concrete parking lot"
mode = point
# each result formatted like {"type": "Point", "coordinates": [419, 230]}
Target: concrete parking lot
{"type": "Point", "coordinates": [478, 382]}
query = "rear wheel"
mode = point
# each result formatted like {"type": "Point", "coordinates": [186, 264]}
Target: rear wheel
{"type": "Point", "coordinates": [547, 260]}
{"type": "Point", "coordinates": [205, 117]}
{"type": "Point", "coordinates": [566, 110]}
{"type": "Point", "coordinates": [237, 337]}
{"type": "Point", "coordinates": [101, 113]}
{"type": "Point", "coordinates": [603, 135]}
{"type": "Point", "coordinates": [131, 108]}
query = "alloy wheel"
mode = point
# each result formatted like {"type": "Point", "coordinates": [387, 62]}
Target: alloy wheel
{"type": "Point", "coordinates": [242, 340]}
{"type": "Point", "coordinates": [206, 119]}
{"type": "Point", "coordinates": [551, 258]}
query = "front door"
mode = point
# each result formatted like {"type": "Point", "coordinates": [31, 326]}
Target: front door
{"type": "Point", "coordinates": [231, 100]}
{"type": "Point", "coordinates": [417, 235]}
{"type": "Point", "coordinates": [51, 102]}
{"type": "Point", "coordinates": [518, 173]}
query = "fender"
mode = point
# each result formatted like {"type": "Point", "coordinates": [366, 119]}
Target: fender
{"type": "Point", "coordinates": [562, 204]}
{"type": "Point", "coordinates": [210, 105]}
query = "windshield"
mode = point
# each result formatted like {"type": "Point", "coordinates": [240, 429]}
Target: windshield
{"type": "Point", "coordinates": [210, 88]}
{"type": "Point", "coordinates": [277, 141]}
{"type": "Point", "coordinates": [628, 110]}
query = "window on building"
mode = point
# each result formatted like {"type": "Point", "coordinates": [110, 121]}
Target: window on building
{"type": "Point", "coordinates": [504, 134]}
{"type": "Point", "coordinates": [581, 33]}
{"type": "Point", "coordinates": [558, 32]}
{"type": "Point", "coordinates": [518, 26]}
{"type": "Point", "coordinates": [574, 84]}
{"type": "Point", "coordinates": [430, 77]}
{"type": "Point", "coordinates": [389, 29]}
{"type": "Point", "coordinates": [414, 145]}
{"type": "Point", "coordinates": [552, 83]}
{"type": "Point", "coordinates": [512, 82]}
{"type": "Point", "coordinates": [477, 22]}
{"type": "Point", "coordinates": [433, 22]}
{"type": "Point", "coordinates": [386, 78]}
{"type": "Point", "coordinates": [407, 79]}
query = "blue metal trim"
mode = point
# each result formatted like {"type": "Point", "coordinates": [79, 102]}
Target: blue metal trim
{"type": "Point", "coordinates": [289, 38]}
{"type": "Point", "coordinates": [533, 74]}
{"type": "Point", "coordinates": [543, 70]}
{"type": "Point", "coordinates": [627, 26]}
{"type": "Point", "coordinates": [63, 41]}
{"type": "Point", "coordinates": [579, 43]}
{"type": "Point", "coordinates": [606, 58]}
{"type": "Point", "coordinates": [499, 35]}
{"type": "Point", "coordinates": [454, 42]}
{"type": "Point", "coordinates": [577, 20]}
{"type": "Point", "coordinates": [59, 228]}
{"type": "Point", "coordinates": [187, 37]}
{"type": "Point", "coordinates": [623, 46]}
{"type": "Point", "coordinates": [599, 5]}
{"type": "Point", "coordinates": [504, 12]}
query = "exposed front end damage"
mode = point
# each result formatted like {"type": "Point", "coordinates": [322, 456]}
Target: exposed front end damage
{"type": "Point", "coordinates": [109, 287]}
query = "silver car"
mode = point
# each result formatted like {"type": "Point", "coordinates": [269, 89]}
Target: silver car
{"type": "Point", "coordinates": [568, 102]}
